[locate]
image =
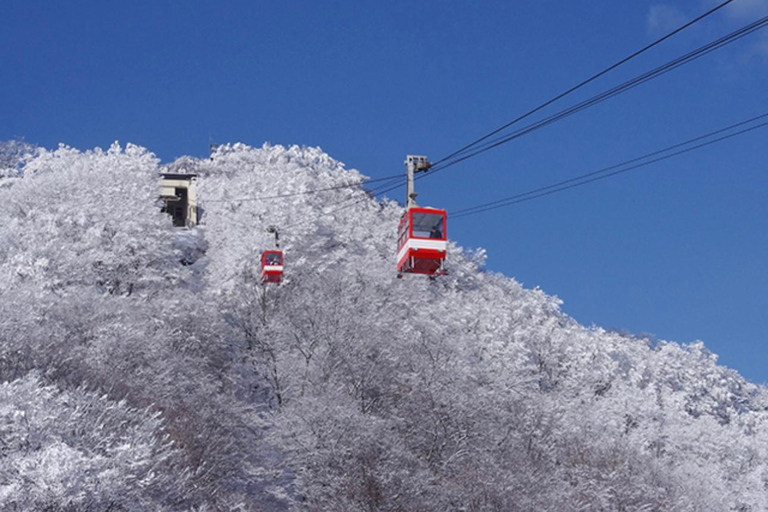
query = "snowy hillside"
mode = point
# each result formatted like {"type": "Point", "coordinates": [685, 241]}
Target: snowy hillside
{"type": "Point", "coordinates": [131, 381]}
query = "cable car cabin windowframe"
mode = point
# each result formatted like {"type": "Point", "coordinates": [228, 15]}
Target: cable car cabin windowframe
{"type": "Point", "coordinates": [272, 266]}
{"type": "Point", "coordinates": [420, 248]}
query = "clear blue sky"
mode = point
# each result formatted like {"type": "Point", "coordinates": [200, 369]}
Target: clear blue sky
{"type": "Point", "coordinates": [678, 249]}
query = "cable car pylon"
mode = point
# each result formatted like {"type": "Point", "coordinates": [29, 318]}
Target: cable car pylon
{"type": "Point", "coordinates": [421, 234]}
{"type": "Point", "coordinates": [272, 261]}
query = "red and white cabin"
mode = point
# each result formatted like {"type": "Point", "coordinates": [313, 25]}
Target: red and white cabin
{"type": "Point", "coordinates": [421, 242]}
{"type": "Point", "coordinates": [272, 267]}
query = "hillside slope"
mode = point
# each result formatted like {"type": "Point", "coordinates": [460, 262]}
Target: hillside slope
{"type": "Point", "coordinates": [344, 388]}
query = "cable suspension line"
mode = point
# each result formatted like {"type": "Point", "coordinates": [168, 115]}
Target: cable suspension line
{"type": "Point", "coordinates": [645, 77]}
{"type": "Point", "coordinates": [616, 169]}
{"type": "Point", "coordinates": [444, 163]}
{"type": "Point", "coordinates": [306, 192]}
{"type": "Point", "coordinates": [654, 73]}
{"type": "Point", "coordinates": [347, 203]}
{"type": "Point", "coordinates": [585, 82]}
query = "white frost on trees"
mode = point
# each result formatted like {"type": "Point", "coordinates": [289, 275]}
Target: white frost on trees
{"type": "Point", "coordinates": [343, 389]}
{"type": "Point", "coordinates": [78, 450]}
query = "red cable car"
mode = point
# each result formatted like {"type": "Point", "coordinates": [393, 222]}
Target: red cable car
{"type": "Point", "coordinates": [421, 242]}
{"type": "Point", "coordinates": [272, 266]}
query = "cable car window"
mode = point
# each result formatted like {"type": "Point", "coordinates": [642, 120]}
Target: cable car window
{"type": "Point", "coordinates": [402, 234]}
{"type": "Point", "coordinates": [427, 225]}
{"type": "Point", "coordinates": [274, 259]}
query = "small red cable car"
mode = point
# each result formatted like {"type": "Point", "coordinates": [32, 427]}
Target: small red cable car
{"type": "Point", "coordinates": [272, 267]}
{"type": "Point", "coordinates": [421, 242]}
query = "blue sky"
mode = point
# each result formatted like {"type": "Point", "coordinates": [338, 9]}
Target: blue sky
{"type": "Point", "coordinates": [677, 249]}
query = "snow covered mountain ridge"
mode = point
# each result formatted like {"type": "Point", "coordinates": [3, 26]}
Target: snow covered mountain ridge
{"type": "Point", "coordinates": [130, 380]}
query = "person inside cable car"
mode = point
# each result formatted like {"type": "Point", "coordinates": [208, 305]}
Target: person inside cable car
{"type": "Point", "coordinates": [273, 259]}
{"type": "Point", "coordinates": [427, 224]}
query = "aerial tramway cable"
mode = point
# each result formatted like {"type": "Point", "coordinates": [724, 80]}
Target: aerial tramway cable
{"type": "Point", "coordinates": [613, 170]}
{"type": "Point", "coordinates": [484, 144]}
{"type": "Point", "coordinates": [349, 202]}
{"type": "Point", "coordinates": [583, 83]}
{"type": "Point", "coordinates": [307, 192]}
{"type": "Point", "coordinates": [638, 80]}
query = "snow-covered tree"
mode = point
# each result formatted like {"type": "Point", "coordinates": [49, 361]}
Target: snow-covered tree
{"type": "Point", "coordinates": [14, 154]}
{"type": "Point", "coordinates": [78, 450]}
{"type": "Point", "coordinates": [344, 388]}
